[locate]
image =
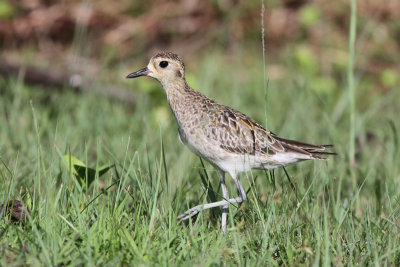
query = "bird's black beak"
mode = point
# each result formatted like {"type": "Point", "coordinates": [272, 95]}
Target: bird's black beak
{"type": "Point", "coordinates": [142, 72]}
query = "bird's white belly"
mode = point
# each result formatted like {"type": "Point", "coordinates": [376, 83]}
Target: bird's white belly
{"type": "Point", "coordinates": [243, 163]}
{"type": "Point", "coordinates": [225, 160]}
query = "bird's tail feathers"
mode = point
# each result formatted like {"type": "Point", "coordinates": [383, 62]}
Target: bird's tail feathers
{"type": "Point", "coordinates": [313, 151]}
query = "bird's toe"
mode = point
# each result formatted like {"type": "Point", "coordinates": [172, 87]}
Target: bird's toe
{"type": "Point", "coordinates": [189, 213]}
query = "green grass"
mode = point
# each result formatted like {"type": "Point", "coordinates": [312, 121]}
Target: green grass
{"type": "Point", "coordinates": [350, 81]}
{"type": "Point", "coordinates": [128, 216]}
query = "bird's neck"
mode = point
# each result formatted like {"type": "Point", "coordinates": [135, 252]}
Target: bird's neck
{"type": "Point", "coordinates": [179, 96]}
{"type": "Point", "coordinates": [177, 91]}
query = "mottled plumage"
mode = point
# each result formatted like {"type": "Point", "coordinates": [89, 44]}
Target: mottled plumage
{"type": "Point", "coordinates": [227, 138]}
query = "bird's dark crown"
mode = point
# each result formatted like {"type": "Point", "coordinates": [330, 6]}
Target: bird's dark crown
{"type": "Point", "coordinates": [170, 55]}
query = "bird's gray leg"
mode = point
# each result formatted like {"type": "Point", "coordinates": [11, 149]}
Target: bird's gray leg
{"type": "Point", "coordinates": [225, 195]}
{"type": "Point", "coordinates": [242, 192]}
{"type": "Point", "coordinates": [193, 211]}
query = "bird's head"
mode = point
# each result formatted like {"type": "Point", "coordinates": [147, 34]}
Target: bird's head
{"type": "Point", "coordinates": [166, 67]}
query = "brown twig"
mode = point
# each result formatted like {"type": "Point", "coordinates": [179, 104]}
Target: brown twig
{"type": "Point", "coordinates": [50, 79]}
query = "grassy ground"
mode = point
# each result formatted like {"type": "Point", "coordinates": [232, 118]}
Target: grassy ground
{"type": "Point", "coordinates": [338, 214]}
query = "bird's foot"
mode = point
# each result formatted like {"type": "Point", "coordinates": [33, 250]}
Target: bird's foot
{"type": "Point", "coordinates": [190, 213]}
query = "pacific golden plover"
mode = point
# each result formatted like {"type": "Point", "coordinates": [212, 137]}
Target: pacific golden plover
{"type": "Point", "coordinates": [231, 141]}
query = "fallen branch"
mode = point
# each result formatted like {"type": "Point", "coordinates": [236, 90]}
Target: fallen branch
{"type": "Point", "coordinates": [49, 79]}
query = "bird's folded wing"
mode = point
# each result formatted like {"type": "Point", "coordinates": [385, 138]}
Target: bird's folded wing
{"type": "Point", "coordinates": [237, 133]}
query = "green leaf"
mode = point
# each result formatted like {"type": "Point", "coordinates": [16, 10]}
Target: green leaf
{"type": "Point", "coordinates": [71, 161]}
{"type": "Point", "coordinates": [83, 174]}
{"type": "Point", "coordinates": [103, 169]}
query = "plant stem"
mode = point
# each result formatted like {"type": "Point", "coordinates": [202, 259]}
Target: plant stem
{"type": "Point", "coordinates": [350, 79]}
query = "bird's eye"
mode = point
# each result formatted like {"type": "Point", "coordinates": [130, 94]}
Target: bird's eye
{"type": "Point", "coordinates": [163, 64]}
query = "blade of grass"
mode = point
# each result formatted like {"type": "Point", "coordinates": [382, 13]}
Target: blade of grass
{"type": "Point", "coordinates": [350, 80]}
{"type": "Point", "coordinates": [207, 183]}
{"type": "Point", "coordinates": [164, 163]}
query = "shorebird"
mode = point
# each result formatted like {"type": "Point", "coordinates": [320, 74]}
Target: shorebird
{"type": "Point", "coordinates": [231, 141]}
